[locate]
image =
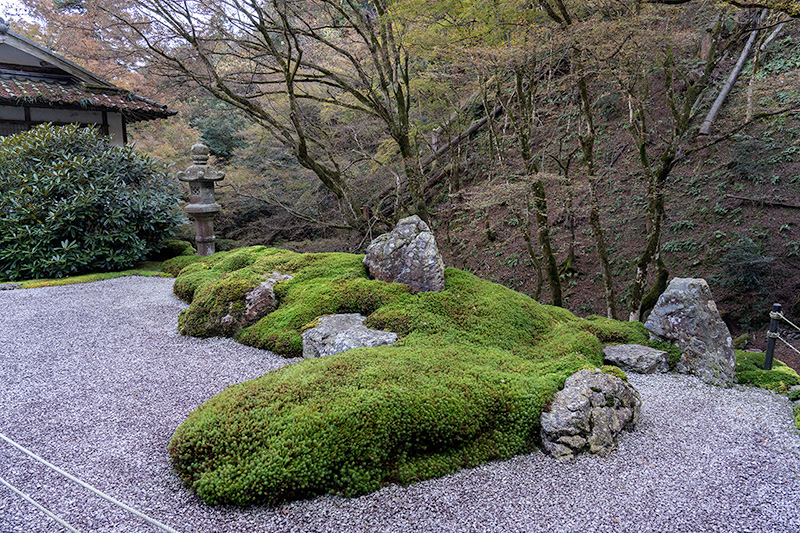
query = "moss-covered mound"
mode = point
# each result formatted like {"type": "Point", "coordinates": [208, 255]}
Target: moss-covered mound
{"type": "Point", "coordinates": [750, 371]}
{"type": "Point", "coordinates": [466, 382]}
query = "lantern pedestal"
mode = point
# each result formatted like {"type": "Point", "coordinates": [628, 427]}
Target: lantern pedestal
{"type": "Point", "coordinates": [202, 207]}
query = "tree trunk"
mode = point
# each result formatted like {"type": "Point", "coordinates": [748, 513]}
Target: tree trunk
{"type": "Point", "coordinates": [524, 226]}
{"type": "Point", "coordinates": [543, 225]}
{"type": "Point", "coordinates": [522, 122]}
{"type": "Point", "coordinates": [587, 146]}
{"type": "Point", "coordinates": [705, 127]}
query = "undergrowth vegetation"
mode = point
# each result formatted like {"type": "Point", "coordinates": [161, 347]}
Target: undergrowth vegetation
{"type": "Point", "coordinates": [466, 382]}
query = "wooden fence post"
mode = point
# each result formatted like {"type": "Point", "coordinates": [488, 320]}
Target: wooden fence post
{"type": "Point", "coordinates": [772, 334]}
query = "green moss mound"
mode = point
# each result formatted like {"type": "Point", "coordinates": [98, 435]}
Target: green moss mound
{"type": "Point", "coordinates": [176, 264]}
{"type": "Point", "coordinates": [750, 371]}
{"type": "Point", "coordinates": [466, 382]}
{"type": "Point", "coordinates": [172, 248]}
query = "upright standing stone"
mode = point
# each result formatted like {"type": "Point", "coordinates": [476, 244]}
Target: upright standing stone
{"type": "Point", "coordinates": [408, 254]}
{"type": "Point", "coordinates": [687, 316]}
{"type": "Point", "coordinates": [202, 207]}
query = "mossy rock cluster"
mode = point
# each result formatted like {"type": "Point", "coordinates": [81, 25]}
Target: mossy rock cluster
{"type": "Point", "coordinates": [466, 382]}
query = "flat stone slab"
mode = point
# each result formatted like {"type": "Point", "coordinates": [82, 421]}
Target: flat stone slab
{"type": "Point", "coordinates": [637, 358]}
{"type": "Point", "coordinates": [339, 333]}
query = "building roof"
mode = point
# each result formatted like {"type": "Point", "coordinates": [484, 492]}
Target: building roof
{"type": "Point", "coordinates": [33, 75]}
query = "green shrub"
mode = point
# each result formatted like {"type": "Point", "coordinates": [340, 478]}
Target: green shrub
{"type": "Point", "coordinates": [465, 383]}
{"type": "Point", "coordinates": [71, 203]}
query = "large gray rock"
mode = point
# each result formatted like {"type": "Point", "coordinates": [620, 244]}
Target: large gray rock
{"type": "Point", "coordinates": [637, 358]}
{"type": "Point", "coordinates": [407, 254]}
{"type": "Point", "coordinates": [687, 316]}
{"type": "Point", "coordinates": [258, 303]}
{"type": "Point", "coordinates": [588, 414]}
{"type": "Point", "coordinates": [339, 333]}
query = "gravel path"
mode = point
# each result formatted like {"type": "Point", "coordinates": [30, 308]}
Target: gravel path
{"type": "Point", "coordinates": [95, 380]}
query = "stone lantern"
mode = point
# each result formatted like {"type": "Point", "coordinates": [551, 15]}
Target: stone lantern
{"type": "Point", "coordinates": [202, 206]}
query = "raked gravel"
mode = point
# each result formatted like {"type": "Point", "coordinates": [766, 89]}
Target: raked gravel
{"type": "Point", "coordinates": [95, 379]}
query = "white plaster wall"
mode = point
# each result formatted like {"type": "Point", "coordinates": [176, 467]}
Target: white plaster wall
{"type": "Point", "coordinates": [10, 112]}
{"type": "Point", "coordinates": [9, 54]}
{"type": "Point", "coordinates": [116, 128]}
{"type": "Point", "coordinates": [67, 116]}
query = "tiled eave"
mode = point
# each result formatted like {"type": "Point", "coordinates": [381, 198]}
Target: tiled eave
{"type": "Point", "coordinates": [22, 91]}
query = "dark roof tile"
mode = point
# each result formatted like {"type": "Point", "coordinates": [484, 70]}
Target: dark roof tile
{"type": "Point", "coordinates": [18, 89]}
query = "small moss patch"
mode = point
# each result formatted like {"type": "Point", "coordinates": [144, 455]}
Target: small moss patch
{"type": "Point", "coordinates": [148, 269]}
{"type": "Point", "coordinates": [750, 371]}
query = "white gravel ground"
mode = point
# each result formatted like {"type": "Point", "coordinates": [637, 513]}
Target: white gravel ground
{"type": "Point", "coordinates": [95, 379]}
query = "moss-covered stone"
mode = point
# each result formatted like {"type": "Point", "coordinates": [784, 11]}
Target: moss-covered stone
{"type": "Point", "coordinates": [614, 371]}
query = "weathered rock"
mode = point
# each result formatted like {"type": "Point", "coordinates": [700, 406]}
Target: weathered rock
{"type": "Point", "coordinates": [687, 316]}
{"type": "Point", "coordinates": [637, 358]}
{"type": "Point", "coordinates": [339, 333]}
{"type": "Point", "coordinates": [588, 414]}
{"type": "Point", "coordinates": [407, 254]}
{"type": "Point", "coordinates": [258, 303]}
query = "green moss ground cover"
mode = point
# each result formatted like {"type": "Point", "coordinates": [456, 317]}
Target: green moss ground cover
{"type": "Point", "coordinates": [151, 269]}
{"type": "Point", "coordinates": [465, 384]}
{"type": "Point", "coordinates": [750, 371]}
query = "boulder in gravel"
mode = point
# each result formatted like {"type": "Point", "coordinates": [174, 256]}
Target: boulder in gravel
{"type": "Point", "coordinates": [407, 254]}
{"type": "Point", "coordinates": [339, 333]}
{"type": "Point", "coordinates": [588, 414]}
{"type": "Point", "coordinates": [637, 358]}
{"type": "Point", "coordinates": [258, 303]}
{"type": "Point", "coordinates": [687, 316]}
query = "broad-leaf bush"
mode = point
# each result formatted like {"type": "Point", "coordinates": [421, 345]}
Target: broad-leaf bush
{"type": "Point", "coordinates": [72, 203]}
{"type": "Point", "coordinates": [466, 382]}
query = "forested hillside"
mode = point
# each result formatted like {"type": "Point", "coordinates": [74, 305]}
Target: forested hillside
{"type": "Point", "coordinates": [562, 148]}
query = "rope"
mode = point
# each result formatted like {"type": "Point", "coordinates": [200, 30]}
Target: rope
{"type": "Point", "coordinates": [89, 487]}
{"type": "Point", "coordinates": [787, 343]}
{"type": "Point", "coordinates": [776, 316]}
{"type": "Point", "coordinates": [35, 504]}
